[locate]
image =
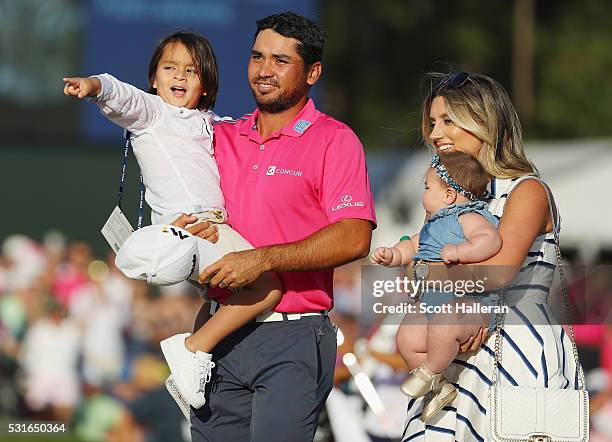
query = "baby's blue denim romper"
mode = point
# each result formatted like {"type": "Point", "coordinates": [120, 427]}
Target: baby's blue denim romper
{"type": "Point", "coordinates": [443, 228]}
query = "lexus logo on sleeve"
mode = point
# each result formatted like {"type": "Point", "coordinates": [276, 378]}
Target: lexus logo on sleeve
{"type": "Point", "coordinates": [347, 201]}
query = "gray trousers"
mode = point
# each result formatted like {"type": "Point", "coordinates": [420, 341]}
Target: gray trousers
{"type": "Point", "coordinates": [270, 383]}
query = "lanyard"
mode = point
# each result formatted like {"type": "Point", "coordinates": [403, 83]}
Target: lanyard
{"type": "Point", "coordinates": [126, 152]}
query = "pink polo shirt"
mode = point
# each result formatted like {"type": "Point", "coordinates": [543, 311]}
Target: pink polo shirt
{"type": "Point", "coordinates": [304, 177]}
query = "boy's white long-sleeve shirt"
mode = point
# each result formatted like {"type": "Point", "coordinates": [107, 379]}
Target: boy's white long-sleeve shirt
{"type": "Point", "coordinates": [173, 146]}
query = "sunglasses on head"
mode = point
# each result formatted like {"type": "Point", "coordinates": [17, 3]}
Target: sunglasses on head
{"type": "Point", "coordinates": [454, 81]}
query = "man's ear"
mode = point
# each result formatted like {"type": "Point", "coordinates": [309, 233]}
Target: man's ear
{"type": "Point", "coordinates": [451, 196]}
{"type": "Point", "coordinates": [314, 73]}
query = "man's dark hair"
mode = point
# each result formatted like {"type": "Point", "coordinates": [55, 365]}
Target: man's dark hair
{"type": "Point", "coordinates": [310, 37]}
{"type": "Point", "coordinates": [204, 59]}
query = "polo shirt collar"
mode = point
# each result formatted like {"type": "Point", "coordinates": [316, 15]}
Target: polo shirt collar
{"type": "Point", "coordinates": [295, 128]}
{"type": "Point", "coordinates": [247, 125]}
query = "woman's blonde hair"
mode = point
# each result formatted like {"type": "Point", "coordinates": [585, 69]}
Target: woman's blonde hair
{"type": "Point", "coordinates": [481, 106]}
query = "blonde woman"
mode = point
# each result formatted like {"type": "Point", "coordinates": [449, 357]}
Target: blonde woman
{"type": "Point", "coordinates": [472, 113]}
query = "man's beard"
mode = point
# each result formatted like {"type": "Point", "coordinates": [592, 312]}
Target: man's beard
{"type": "Point", "coordinates": [282, 102]}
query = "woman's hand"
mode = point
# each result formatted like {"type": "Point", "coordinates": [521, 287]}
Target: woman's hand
{"type": "Point", "coordinates": [474, 342]}
{"type": "Point", "coordinates": [205, 229]}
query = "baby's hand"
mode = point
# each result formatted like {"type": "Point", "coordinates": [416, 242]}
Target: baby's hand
{"type": "Point", "coordinates": [449, 253]}
{"type": "Point", "coordinates": [82, 87]}
{"type": "Point", "coordinates": [382, 256]}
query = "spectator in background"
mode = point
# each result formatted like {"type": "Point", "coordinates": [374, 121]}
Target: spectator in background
{"type": "Point", "coordinates": [148, 411]}
{"type": "Point", "coordinates": [72, 276]}
{"type": "Point", "coordinates": [49, 357]}
{"type": "Point", "coordinates": [347, 290]}
{"type": "Point", "coordinates": [599, 385]}
{"type": "Point", "coordinates": [23, 261]}
{"type": "Point", "coordinates": [102, 325]}
{"type": "Point", "coordinates": [388, 371]}
{"type": "Point", "coordinates": [98, 419]}
{"type": "Point", "coordinates": [592, 294]}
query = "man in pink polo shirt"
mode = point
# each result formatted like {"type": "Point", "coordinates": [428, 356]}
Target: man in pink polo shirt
{"type": "Point", "coordinates": [296, 186]}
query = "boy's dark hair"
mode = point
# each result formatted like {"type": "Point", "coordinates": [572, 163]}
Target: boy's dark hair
{"type": "Point", "coordinates": [310, 37]}
{"type": "Point", "coordinates": [204, 59]}
{"type": "Point", "coordinates": [466, 171]}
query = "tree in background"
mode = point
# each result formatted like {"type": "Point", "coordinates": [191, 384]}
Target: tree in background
{"type": "Point", "coordinates": [378, 53]}
{"type": "Point", "coordinates": [574, 71]}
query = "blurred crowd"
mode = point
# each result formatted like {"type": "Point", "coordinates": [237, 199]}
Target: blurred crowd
{"type": "Point", "coordinates": [79, 343]}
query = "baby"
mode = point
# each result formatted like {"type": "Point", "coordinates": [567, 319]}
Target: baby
{"type": "Point", "coordinates": [172, 136]}
{"type": "Point", "coordinates": [458, 228]}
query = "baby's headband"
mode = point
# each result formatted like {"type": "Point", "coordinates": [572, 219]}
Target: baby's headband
{"type": "Point", "coordinates": [441, 171]}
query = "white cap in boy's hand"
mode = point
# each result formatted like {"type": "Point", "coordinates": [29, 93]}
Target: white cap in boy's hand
{"type": "Point", "coordinates": [165, 255]}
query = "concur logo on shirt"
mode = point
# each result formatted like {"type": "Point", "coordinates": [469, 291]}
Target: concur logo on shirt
{"type": "Point", "coordinates": [275, 170]}
{"type": "Point", "coordinates": [347, 201]}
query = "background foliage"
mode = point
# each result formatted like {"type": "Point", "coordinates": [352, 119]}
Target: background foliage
{"type": "Point", "coordinates": [378, 53]}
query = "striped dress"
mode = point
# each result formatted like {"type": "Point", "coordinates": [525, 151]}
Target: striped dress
{"type": "Point", "coordinates": [535, 350]}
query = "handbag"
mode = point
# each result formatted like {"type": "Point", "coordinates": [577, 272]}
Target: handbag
{"type": "Point", "coordinates": [538, 414]}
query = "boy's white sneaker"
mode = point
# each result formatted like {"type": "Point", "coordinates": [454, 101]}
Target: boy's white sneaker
{"type": "Point", "coordinates": [190, 371]}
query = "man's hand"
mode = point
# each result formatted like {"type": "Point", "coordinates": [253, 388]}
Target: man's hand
{"type": "Point", "coordinates": [82, 87]}
{"type": "Point", "coordinates": [382, 256]}
{"type": "Point", "coordinates": [474, 342]}
{"type": "Point", "coordinates": [235, 269]}
{"type": "Point", "coordinates": [205, 230]}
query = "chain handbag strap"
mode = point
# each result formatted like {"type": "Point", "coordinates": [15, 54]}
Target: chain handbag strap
{"type": "Point", "coordinates": [498, 337]}
{"type": "Point", "coordinates": [565, 292]}
{"type": "Point", "coordinates": [568, 313]}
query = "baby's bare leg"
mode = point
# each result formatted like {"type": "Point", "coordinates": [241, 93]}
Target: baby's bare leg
{"type": "Point", "coordinates": [444, 335]}
{"type": "Point", "coordinates": [443, 341]}
{"type": "Point", "coordinates": [412, 341]}
{"type": "Point", "coordinates": [238, 309]}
